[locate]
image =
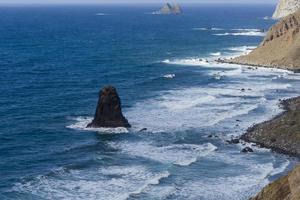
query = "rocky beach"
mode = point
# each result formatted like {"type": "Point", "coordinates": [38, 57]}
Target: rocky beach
{"type": "Point", "coordinates": [281, 134]}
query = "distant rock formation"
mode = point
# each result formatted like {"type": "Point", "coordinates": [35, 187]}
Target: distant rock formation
{"type": "Point", "coordinates": [109, 113]}
{"type": "Point", "coordinates": [285, 188]}
{"type": "Point", "coordinates": [285, 8]}
{"type": "Point", "coordinates": [280, 48]}
{"type": "Point", "coordinates": [168, 9]}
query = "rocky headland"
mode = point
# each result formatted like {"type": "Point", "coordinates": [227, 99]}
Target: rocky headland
{"type": "Point", "coordinates": [109, 112]}
{"type": "Point", "coordinates": [285, 8]}
{"type": "Point", "coordinates": [279, 49]}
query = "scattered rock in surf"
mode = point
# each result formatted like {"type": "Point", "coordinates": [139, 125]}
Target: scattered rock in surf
{"type": "Point", "coordinates": [233, 141]}
{"type": "Point", "coordinates": [143, 129]}
{"type": "Point", "coordinates": [109, 112]}
{"type": "Point", "coordinates": [247, 150]}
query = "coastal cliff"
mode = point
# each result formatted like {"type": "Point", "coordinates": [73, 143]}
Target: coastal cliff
{"type": "Point", "coordinates": [280, 48]}
{"type": "Point", "coordinates": [285, 8]}
{"type": "Point", "coordinates": [285, 188]}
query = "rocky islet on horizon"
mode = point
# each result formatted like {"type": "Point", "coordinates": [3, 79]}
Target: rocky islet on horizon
{"type": "Point", "coordinates": [169, 9]}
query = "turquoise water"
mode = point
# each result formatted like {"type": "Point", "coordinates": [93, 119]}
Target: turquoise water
{"type": "Point", "coordinates": [55, 59]}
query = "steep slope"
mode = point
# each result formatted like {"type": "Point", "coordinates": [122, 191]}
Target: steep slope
{"type": "Point", "coordinates": [280, 48]}
{"type": "Point", "coordinates": [285, 188]}
{"type": "Point", "coordinates": [285, 8]}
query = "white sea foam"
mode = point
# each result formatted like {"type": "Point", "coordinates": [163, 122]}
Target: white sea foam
{"type": "Point", "coordinates": [227, 73]}
{"type": "Point", "coordinates": [176, 103]}
{"type": "Point", "coordinates": [126, 181]}
{"type": "Point", "coordinates": [200, 106]}
{"type": "Point", "coordinates": [281, 168]}
{"type": "Point", "coordinates": [82, 122]}
{"type": "Point", "coordinates": [244, 33]}
{"type": "Point", "coordinates": [241, 48]}
{"type": "Point", "coordinates": [102, 14]}
{"type": "Point", "coordinates": [208, 29]}
{"type": "Point", "coordinates": [169, 76]}
{"type": "Point", "coordinates": [216, 54]}
{"type": "Point", "coordinates": [177, 154]}
{"type": "Point", "coordinates": [210, 61]}
{"type": "Point", "coordinates": [248, 177]}
{"type": "Point", "coordinates": [235, 187]}
{"type": "Point", "coordinates": [188, 61]}
{"type": "Point", "coordinates": [247, 29]}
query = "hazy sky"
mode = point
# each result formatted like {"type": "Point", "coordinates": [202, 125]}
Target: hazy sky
{"type": "Point", "coordinates": [129, 1]}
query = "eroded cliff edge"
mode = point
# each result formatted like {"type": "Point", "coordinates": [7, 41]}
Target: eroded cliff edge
{"type": "Point", "coordinates": [285, 8]}
{"type": "Point", "coordinates": [280, 48]}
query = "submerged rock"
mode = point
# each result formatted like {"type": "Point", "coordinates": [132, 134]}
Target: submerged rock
{"type": "Point", "coordinates": [109, 113]}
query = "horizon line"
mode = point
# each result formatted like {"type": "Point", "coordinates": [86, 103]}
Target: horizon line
{"type": "Point", "coordinates": [133, 3]}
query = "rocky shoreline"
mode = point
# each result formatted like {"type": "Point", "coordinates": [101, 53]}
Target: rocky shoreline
{"type": "Point", "coordinates": [236, 62]}
{"type": "Point", "coordinates": [282, 133]}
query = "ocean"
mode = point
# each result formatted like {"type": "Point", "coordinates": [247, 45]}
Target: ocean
{"type": "Point", "coordinates": [55, 59]}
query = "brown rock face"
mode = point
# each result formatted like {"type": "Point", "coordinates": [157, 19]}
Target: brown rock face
{"type": "Point", "coordinates": [285, 188]}
{"type": "Point", "coordinates": [280, 48]}
{"type": "Point", "coordinates": [288, 26]}
{"type": "Point", "coordinates": [109, 113]}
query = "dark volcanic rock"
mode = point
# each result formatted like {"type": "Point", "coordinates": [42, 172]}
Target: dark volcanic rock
{"type": "Point", "coordinates": [143, 129]}
{"type": "Point", "coordinates": [233, 141]}
{"type": "Point", "coordinates": [109, 113]}
{"type": "Point", "coordinates": [247, 150]}
{"type": "Point", "coordinates": [281, 134]}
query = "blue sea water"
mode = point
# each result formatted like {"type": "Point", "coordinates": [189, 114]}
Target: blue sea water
{"type": "Point", "coordinates": [55, 59]}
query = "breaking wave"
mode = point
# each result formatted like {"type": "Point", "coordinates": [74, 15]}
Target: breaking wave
{"type": "Point", "coordinates": [82, 122]}
{"type": "Point", "coordinates": [243, 33]}
{"type": "Point", "coordinates": [177, 154]}
{"type": "Point", "coordinates": [126, 181]}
